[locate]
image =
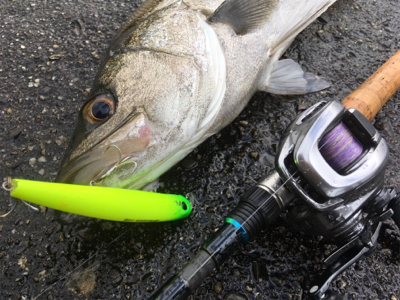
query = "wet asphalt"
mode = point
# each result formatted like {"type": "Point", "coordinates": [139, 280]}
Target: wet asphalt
{"type": "Point", "coordinates": [49, 52]}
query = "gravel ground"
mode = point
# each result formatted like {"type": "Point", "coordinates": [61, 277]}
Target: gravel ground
{"type": "Point", "coordinates": [49, 52]}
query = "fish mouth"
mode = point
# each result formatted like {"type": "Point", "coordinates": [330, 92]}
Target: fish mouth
{"type": "Point", "coordinates": [103, 167]}
{"type": "Point", "coordinates": [89, 166]}
{"type": "Point", "coordinates": [115, 157]}
{"type": "Point", "coordinates": [80, 171]}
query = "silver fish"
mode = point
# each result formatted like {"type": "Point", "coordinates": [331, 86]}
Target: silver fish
{"type": "Point", "coordinates": [176, 73]}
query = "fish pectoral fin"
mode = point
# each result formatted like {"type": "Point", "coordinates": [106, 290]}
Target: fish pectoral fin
{"type": "Point", "coordinates": [288, 78]}
{"type": "Point", "coordinates": [244, 16]}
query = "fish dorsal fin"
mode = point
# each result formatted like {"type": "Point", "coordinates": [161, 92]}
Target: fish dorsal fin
{"type": "Point", "coordinates": [244, 15]}
{"type": "Point", "coordinates": [137, 16]}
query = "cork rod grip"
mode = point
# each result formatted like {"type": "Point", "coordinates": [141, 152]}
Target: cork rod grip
{"type": "Point", "coordinates": [369, 97]}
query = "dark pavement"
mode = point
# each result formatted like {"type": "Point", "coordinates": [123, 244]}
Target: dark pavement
{"type": "Point", "coordinates": [49, 53]}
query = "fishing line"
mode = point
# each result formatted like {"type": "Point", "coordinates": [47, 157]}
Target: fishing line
{"type": "Point", "coordinates": [340, 148]}
{"type": "Point", "coordinates": [79, 266]}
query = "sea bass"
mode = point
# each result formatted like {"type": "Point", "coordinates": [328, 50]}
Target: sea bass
{"type": "Point", "coordinates": [176, 73]}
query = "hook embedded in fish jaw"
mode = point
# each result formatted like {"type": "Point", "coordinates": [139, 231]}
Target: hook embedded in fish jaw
{"type": "Point", "coordinates": [120, 161]}
{"type": "Point", "coordinates": [99, 180]}
{"type": "Point", "coordinates": [126, 160]}
{"type": "Point", "coordinates": [116, 147]}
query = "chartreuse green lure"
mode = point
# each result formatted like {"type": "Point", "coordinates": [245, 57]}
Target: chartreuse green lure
{"type": "Point", "coordinates": [107, 203]}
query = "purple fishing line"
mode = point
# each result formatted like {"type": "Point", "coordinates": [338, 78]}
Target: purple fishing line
{"type": "Point", "coordinates": [340, 148]}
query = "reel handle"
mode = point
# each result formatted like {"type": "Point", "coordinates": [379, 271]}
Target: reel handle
{"type": "Point", "coordinates": [370, 96]}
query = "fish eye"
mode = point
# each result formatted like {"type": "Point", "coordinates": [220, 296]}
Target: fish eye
{"type": "Point", "coordinates": [99, 109]}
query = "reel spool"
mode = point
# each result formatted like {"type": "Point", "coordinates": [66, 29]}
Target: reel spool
{"type": "Point", "coordinates": [340, 148]}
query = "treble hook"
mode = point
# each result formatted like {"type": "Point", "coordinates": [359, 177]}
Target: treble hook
{"type": "Point", "coordinates": [117, 163]}
{"type": "Point", "coordinates": [11, 210]}
{"type": "Point", "coordinates": [7, 186]}
{"type": "Point", "coordinates": [100, 179]}
{"type": "Point", "coordinates": [120, 161]}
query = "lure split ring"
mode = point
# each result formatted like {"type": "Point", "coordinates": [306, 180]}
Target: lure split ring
{"type": "Point", "coordinates": [7, 186]}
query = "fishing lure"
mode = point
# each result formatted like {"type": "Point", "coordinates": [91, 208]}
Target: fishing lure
{"type": "Point", "coordinates": [107, 203]}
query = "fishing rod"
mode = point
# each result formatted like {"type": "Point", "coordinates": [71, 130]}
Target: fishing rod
{"type": "Point", "coordinates": [329, 175]}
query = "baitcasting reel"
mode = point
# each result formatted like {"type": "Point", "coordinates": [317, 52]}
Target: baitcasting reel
{"type": "Point", "coordinates": [334, 163]}
{"type": "Point", "coordinates": [329, 175]}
